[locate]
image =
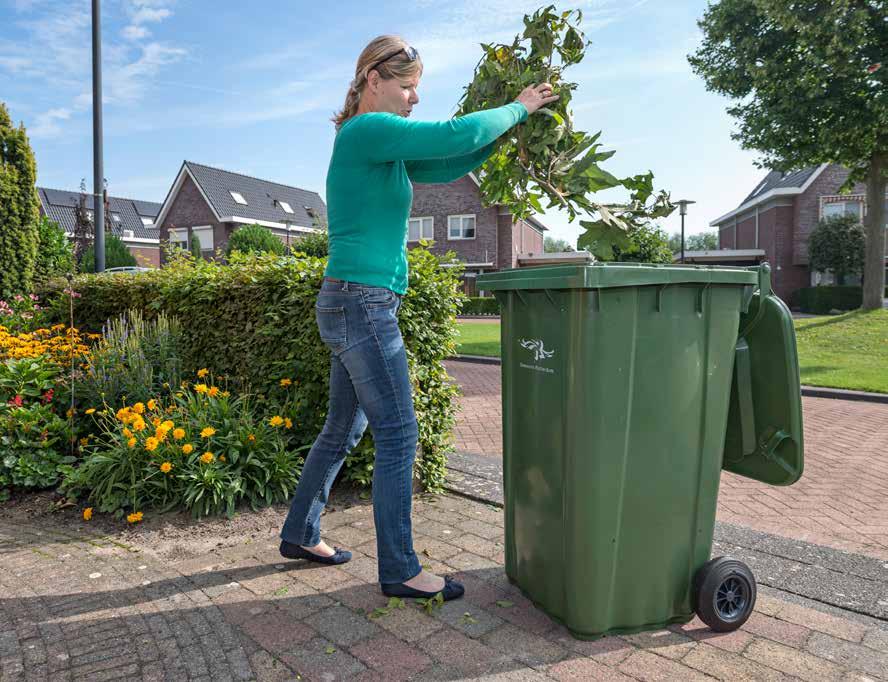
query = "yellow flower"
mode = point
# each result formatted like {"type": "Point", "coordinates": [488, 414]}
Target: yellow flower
{"type": "Point", "coordinates": [165, 467]}
{"type": "Point", "coordinates": [276, 420]}
{"type": "Point", "coordinates": [207, 457]}
{"type": "Point", "coordinates": [167, 425]}
{"type": "Point", "coordinates": [91, 410]}
{"type": "Point", "coordinates": [221, 458]}
{"type": "Point", "coordinates": [201, 373]}
{"type": "Point", "coordinates": [69, 413]}
{"type": "Point", "coordinates": [152, 404]}
{"type": "Point", "coordinates": [213, 391]}
{"type": "Point", "coordinates": [123, 414]}
{"type": "Point", "coordinates": [155, 421]}
{"type": "Point", "coordinates": [178, 434]}
{"type": "Point", "coordinates": [139, 408]}
{"type": "Point", "coordinates": [134, 518]}
{"type": "Point", "coordinates": [201, 388]}
{"type": "Point", "coordinates": [160, 434]}
{"type": "Point", "coordinates": [225, 394]}
{"type": "Point", "coordinates": [139, 424]}
{"type": "Point", "coordinates": [84, 442]}
{"type": "Point", "coordinates": [288, 423]}
{"type": "Point", "coordinates": [207, 432]}
{"type": "Point", "coordinates": [127, 432]}
{"type": "Point", "coordinates": [87, 513]}
{"type": "Point", "coordinates": [131, 442]}
{"type": "Point", "coordinates": [151, 444]}
{"type": "Point", "coordinates": [187, 448]}
{"type": "Point", "coordinates": [285, 383]}
{"type": "Point", "coordinates": [170, 409]}
{"type": "Point", "coordinates": [251, 438]}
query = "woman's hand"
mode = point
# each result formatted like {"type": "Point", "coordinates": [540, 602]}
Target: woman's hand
{"type": "Point", "coordinates": [535, 96]}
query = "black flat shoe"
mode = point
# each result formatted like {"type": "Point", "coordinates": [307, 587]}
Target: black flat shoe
{"type": "Point", "coordinates": [291, 551]}
{"type": "Point", "coordinates": [452, 590]}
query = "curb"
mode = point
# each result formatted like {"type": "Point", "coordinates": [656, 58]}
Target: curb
{"type": "Point", "coordinates": [809, 391]}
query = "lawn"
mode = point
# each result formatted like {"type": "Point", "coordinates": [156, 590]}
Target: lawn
{"type": "Point", "coordinates": [841, 351]}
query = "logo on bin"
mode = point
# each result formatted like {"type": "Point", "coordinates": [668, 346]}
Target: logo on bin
{"type": "Point", "coordinates": [536, 345]}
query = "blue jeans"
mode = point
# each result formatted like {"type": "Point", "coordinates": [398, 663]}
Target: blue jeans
{"type": "Point", "coordinates": [368, 384]}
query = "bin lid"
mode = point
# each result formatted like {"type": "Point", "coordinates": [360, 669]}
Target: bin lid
{"type": "Point", "coordinates": [763, 439]}
{"type": "Point", "coordinates": [601, 275]}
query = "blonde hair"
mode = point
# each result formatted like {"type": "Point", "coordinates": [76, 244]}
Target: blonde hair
{"type": "Point", "coordinates": [398, 65]}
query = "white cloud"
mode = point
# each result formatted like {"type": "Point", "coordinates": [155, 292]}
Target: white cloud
{"type": "Point", "coordinates": [15, 64]}
{"type": "Point", "coordinates": [133, 32]}
{"type": "Point", "coordinates": [127, 82]}
{"type": "Point", "coordinates": [46, 124]}
{"type": "Point", "coordinates": [147, 15]}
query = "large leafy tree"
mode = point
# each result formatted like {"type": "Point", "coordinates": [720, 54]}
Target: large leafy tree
{"type": "Point", "coordinates": [809, 88]}
{"type": "Point", "coordinates": [19, 207]}
{"type": "Point", "coordinates": [837, 245]}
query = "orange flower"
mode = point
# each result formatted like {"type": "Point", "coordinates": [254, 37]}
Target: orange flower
{"type": "Point", "coordinates": [201, 373]}
{"type": "Point", "coordinates": [134, 518]}
{"type": "Point", "coordinates": [165, 467]}
{"type": "Point", "coordinates": [288, 423]}
{"type": "Point", "coordinates": [251, 438]}
{"type": "Point", "coordinates": [285, 383]}
{"type": "Point", "coordinates": [276, 420]}
{"type": "Point", "coordinates": [152, 404]}
{"type": "Point", "coordinates": [207, 457]}
{"type": "Point", "coordinates": [201, 388]}
{"type": "Point", "coordinates": [207, 432]}
{"type": "Point", "coordinates": [87, 513]}
{"type": "Point", "coordinates": [188, 448]}
{"type": "Point", "coordinates": [178, 434]}
{"type": "Point", "coordinates": [139, 408]}
{"type": "Point", "coordinates": [131, 442]}
{"type": "Point", "coordinates": [151, 444]}
{"type": "Point", "coordinates": [213, 391]}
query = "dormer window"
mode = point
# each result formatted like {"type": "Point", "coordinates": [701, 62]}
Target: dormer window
{"type": "Point", "coordinates": [284, 205]}
{"type": "Point", "coordinates": [238, 198]}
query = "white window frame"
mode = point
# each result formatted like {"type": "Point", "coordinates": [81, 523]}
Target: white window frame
{"type": "Point", "coordinates": [284, 205]}
{"type": "Point", "coordinates": [147, 221]}
{"type": "Point", "coordinates": [115, 217]}
{"type": "Point", "coordinates": [174, 240]}
{"type": "Point", "coordinates": [200, 230]}
{"type": "Point", "coordinates": [824, 204]}
{"type": "Point", "coordinates": [427, 234]}
{"type": "Point", "coordinates": [462, 227]}
{"type": "Point", "coordinates": [238, 198]}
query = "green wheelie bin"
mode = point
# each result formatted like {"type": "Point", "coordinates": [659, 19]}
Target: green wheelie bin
{"type": "Point", "coordinates": [626, 389]}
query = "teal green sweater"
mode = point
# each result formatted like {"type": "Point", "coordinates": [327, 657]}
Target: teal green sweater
{"type": "Point", "coordinates": [369, 195]}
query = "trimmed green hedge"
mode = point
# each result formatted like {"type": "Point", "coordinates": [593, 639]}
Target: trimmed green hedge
{"type": "Point", "coordinates": [480, 305]}
{"type": "Point", "coordinates": [820, 300]}
{"type": "Point", "coordinates": [253, 322]}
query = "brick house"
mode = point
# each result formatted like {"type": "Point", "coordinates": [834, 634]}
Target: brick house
{"type": "Point", "coordinates": [212, 203]}
{"type": "Point", "coordinates": [132, 220]}
{"type": "Point", "coordinates": [483, 239]}
{"type": "Point", "coordinates": [774, 221]}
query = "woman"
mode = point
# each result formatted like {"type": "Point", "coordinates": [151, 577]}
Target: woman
{"type": "Point", "coordinates": [376, 155]}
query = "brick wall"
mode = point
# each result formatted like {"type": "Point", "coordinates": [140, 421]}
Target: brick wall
{"type": "Point", "coordinates": [746, 232]}
{"type": "Point", "coordinates": [460, 197]}
{"type": "Point", "coordinates": [189, 210]}
{"type": "Point", "coordinates": [146, 256]}
{"type": "Point", "coordinates": [505, 252]}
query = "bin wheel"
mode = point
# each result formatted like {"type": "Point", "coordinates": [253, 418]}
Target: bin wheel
{"type": "Point", "coordinates": [724, 593]}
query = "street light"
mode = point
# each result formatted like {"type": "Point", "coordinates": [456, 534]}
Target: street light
{"type": "Point", "coordinates": [683, 209]}
{"type": "Point", "coordinates": [98, 174]}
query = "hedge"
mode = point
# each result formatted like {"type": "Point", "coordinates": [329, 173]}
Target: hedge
{"type": "Point", "coordinates": [253, 322]}
{"type": "Point", "coordinates": [480, 305]}
{"type": "Point", "coordinates": [821, 300]}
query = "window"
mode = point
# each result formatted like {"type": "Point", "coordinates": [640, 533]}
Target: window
{"type": "Point", "coordinates": [147, 221]}
{"type": "Point", "coordinates": [238, 197]}
{"type": "Point", "coordinates": [842, 208]}
{"type": "Point", "coordinates": [284, 205]}
{"type": "Point", "coordinates": [205, 235]}
{"type": "Point", "coordinates": [89, 214]}
{"type": "Point", "coordinates": [461, 227]}
{"type": "Point", "coordinates": [116, 217]}
{"type": "Point", "coordinates": [179, 237]}
{"type": "Point", "coordinates": [420, 228]}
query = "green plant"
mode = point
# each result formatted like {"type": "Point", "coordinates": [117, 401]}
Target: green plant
{"type": "Point", "coordinates": [22, 313]}
{"type": "Point", "coordinates": [117, 255]}
{"type": "Point", "coordinates": [702, 241]}
{"type": "Point", "coordinates": [252, 321]}
{"type": "Point", "coordinates": [546, 157]}
{"type": "Point", "coordinates": [135, 360]}
{"type": "Point", "coordinates": [55, 254]}
{"type": "Point", "coordinates": [808, 86]}
{"type": "Point", "coordinates": [825, 299]}
{"type": "Point", "coordinates": [647, 244]}
{"type": "Point", "coordinates": [480, 305]}
{"type": "Point", "coordinates": [254, 239]}
{"type": "Point", "coordinates": [198, 448]}
{"type": "Point", "coordinates": [314, 244]}
{"type": "Point", "coordinates": [19, 208]}
{"type": "Point", "coordinates": [552, 245]}
{"type": "Point", "coordinates": [837, 245]}
{"type": "Point", "coordinates": [194, 246]}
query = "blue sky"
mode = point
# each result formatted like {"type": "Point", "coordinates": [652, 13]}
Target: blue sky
{"type": "Point", "coordinates": [251, 87]}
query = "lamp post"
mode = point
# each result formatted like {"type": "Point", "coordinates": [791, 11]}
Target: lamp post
{"type": "Point", "coordinates": [683, 209]}
{"type": "Point", "coordinates": [98, 179]}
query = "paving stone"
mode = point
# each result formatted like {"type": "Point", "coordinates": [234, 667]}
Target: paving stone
{"type": "Point", "coordinates": [876, 639]}
{"type": "Point", "coordinates": [393, 658]}
{"type": "Point", "coordinates": [609, 651]}
{"type": "Point", "coordinates": [730, 666]}
{"type": "Point", "coordinates": [269, 669]}
{"type": "Point", "coordinates": [792, 662]}
{"type": "Point", "coordinates": [343, 626]}
{"type": "Point", "coordinates": [468, 655]}
{"type": "Point", "coordinates": [777, 630]}
{"type": "Point", "coordinates": [278, 632]}
{"type": "Point", "coordinates": [472, 621]}
{"type": "Point", "coordinates": [584, 669]}
{"type": "Point", "coordinates": [526, 647]}
{"type": "Point", "coordinates": [849, 655]}
{"type": "Point", "coordinates": [697, 630]}
{"type": "Point", "coordinates": [667, 643]}
{"type": "Point", "coordinates": [647, 666]}
{"type": "Point", "coordinates": [409, 624]}
{"type": "Point", "coordinates": [320, 658]}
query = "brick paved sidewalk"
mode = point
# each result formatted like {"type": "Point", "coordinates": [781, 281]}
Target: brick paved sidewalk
{"type": "Point", "coordinates": [75, 606]}
{"type": "Point", "coordinates": [839, 502]}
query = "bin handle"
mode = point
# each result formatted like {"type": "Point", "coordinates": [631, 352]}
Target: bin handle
{"type": "Point", "coordinates": [764, 289]}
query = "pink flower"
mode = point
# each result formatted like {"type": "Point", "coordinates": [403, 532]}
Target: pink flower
{"type": "Point", "coordinates": [872, 68]}
{"type": "Point", "coordinates": [17, 401]}
{"type": "Point", "coordinates": [47, 396]}
{"type": "Point", "coordinates": [34, 297]}
{"type": "Point", "coordinates": [18, 297]}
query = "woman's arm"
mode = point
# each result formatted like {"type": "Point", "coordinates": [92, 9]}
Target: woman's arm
{"type": "Point", "coordinates": [389, 137]}
{"type": "Point", "coordinates": [447, 170]}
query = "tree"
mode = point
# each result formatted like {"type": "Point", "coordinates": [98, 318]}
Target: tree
{"type": "Point", "coordinates": [809, 88]}
{"type": "Point", "coordinates": [117, 255]}
{"type": "Point", "coordinates": [837, 245]}
{"type": "Point", "coordinates": [19, 207]}
{"type": "Point", "coordinates": [552, 245]}
{"type": "Point", "coordinates": [55, 254]}
{"type": "Point", "coordinates": [254, 238]}
{"type": "Point", "coordinates": [313, 244]}
{"type": "Point", "coordinates": [646, 244]}
{"type": "Point", "coordinates": [83, 226]}
{"type": "Point", "coordinates": [195, 245]}
{"type": "Point", "coordinates": [703, 241]}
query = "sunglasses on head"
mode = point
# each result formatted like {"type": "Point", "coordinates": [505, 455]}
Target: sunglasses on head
{"type": "Point", "coordinates": [411, 53]}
